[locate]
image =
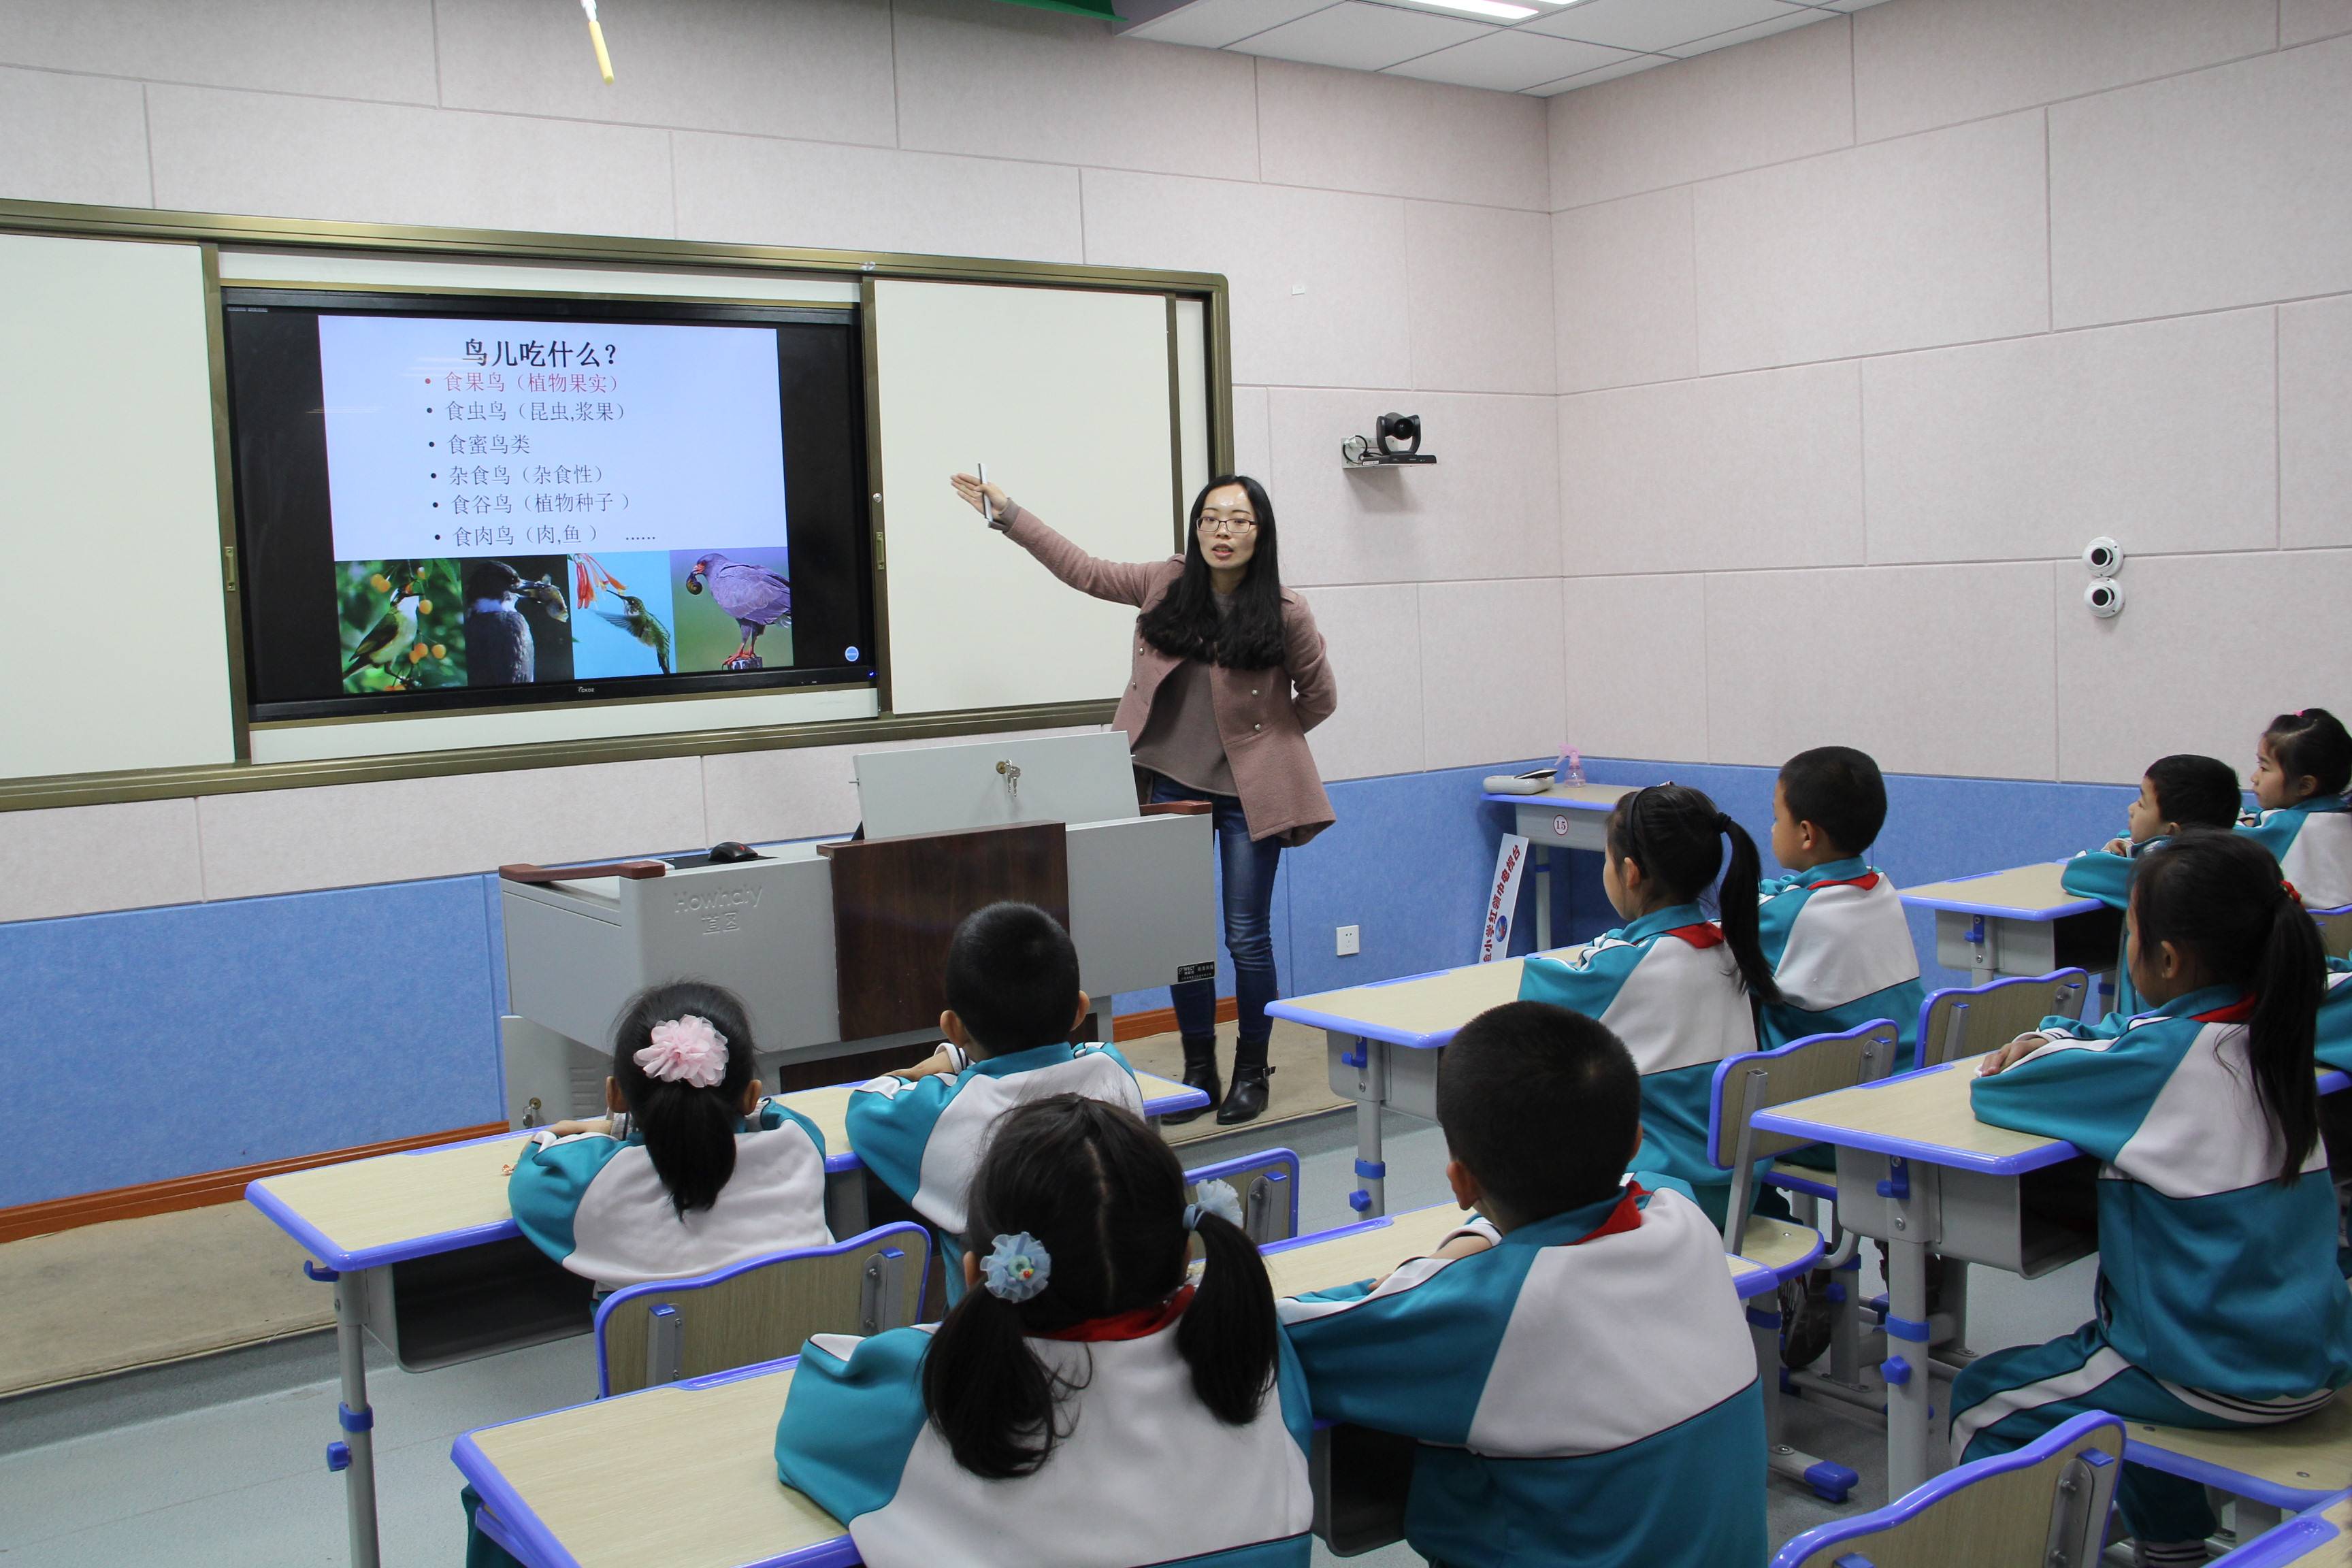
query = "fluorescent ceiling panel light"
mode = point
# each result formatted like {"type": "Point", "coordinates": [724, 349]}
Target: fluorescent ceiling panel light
{"type": "Point", "coordinates": [1485, 8]}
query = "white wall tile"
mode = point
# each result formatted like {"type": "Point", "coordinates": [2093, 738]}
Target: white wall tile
{"type": "Point", "coordinates": [1346, 131]}
{"type": "Point", "coordinates": [336, 49]}
{"type": "Point", "coordinates": [1480, 286]}
{"type": "Point", "coordinates": [1004, 81]}
{"type": "Point", "coordinates": [1373, 635]}
{"type": "Point", "coordinates": [865, 198]}
{"type": "Point", "coordinates": [1782, 97]}
{"type": "Point", "coordinates": [1624, 295]}
{"type": "Point", "coordinates": [1357, 36]}
{"type": "Point", "coordinates": [1937, 62]}
{"type": "Point", "coordinates": [1790, 17]}
{"type": "Point", "coordinates": [1345, 327]}
{"type": "Point", "coordinates": [1253, 435]}
{"type": "Point", "coordinates": [2301, 21]}
{"type": "Point", "coordinates": [2195, 636]}
{"type": "Point", "coordinates": [1726, 473]}
{"type": "Point", "coordinates": [817, 69]}
{"type": "Point", "coordinates": [1627, 66]}
{"type": "Point", "coordinates": [2204, 190]}
{"type": "Point", "coordinates": [1657, 624]}
{"type": "Point", "coordinates": [72, 138]}
{"type": "Point", "coordinates": [1511, 60]}
{"type": "Point", "coordinates": [318, 158]}
{"type": "Point", "coordinates": [1491, 687]}
{"type": "Point", "coordinates": [78, 859]}
{"type": "Point", "coordinates": [1487, 508]}
{"type": "Point", "coordinates": [1931, 669]}
{"type": "Point", "coordinates": [1936, 239]}
{"type": "Point", "coordinates": [2315, 422]}
{"type": "Point", "coordinates": [2161, 434]}
{"type": "Point", "coordinates": [282, 841]}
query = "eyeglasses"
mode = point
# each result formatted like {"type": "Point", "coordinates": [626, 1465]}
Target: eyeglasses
{"type": "Point", "coordinates": [1236, 526]}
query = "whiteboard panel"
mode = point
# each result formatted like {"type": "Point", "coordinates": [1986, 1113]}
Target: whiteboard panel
{"type": "Point", "coordinates": [1193, 400]}
{"type": "Point", "coordinates": [1065, 395]}
{"type": "Point", "coordinates": [117, 651]}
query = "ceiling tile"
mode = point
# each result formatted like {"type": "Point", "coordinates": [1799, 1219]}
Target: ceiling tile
{"type": "Point", "coordinates": [1362, 37]}
{"type": "Point", "coordinates": [1511, 60]}
{"type": "Point", "coordinates": [1655, 24]}
{"type": "Point", "coordinates": [1798, 16]}
{"type": "Point", "coordinates": [1214, 24]}
{"type": "Point", "coordinates": [1625, 67]}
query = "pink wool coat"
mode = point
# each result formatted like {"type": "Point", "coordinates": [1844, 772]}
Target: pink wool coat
{"type": "Point", "coordinates": [1263, 715]}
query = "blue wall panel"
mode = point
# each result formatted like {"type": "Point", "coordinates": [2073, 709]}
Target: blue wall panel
{"type": "Point", "coordinates": [159, 1043]}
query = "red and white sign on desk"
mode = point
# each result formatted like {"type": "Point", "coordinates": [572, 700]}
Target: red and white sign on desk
{"type": "Point", "coordinates": [1503, 900]}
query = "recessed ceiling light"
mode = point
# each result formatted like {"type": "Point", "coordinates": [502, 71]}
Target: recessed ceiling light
{"type": "Point", "coordinates": [1485, 8]}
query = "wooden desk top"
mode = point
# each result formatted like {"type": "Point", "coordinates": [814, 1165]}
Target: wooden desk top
{"type": "Point", "coordinates": [2312, 1454]}
{"type": "Point", "coordinates": [1924, 1116]}
{"type": "Point", "coordinates": [1420, 1011]}
{"type": "Point", "coordinates": [2024, 893]}
{"type": "Point", "coordinates": [367, 1213]}
{"type": "Point", "coordinates": [1570, 798]}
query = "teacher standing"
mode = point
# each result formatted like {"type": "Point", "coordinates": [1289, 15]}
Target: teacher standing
{"type": "Point", "coordinates": [1228, 677]}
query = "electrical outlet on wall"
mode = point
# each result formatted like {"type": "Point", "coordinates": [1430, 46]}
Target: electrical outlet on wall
{"type": "Point", "coordinates": [1350, 942]}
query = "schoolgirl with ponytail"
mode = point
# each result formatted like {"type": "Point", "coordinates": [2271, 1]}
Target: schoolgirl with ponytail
{"type": "Point", "coordinates": [2220, 1300]}
{"type": "Point", "coordinates": [1679, 989]}
{"type": "Point", "coordinates": [1084, 1403]}
{"type": "Point", "coordinates": [692, 1170]}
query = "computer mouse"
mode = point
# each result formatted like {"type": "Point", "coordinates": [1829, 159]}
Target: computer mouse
{"type": "Point", "coordinates": [728, 851]}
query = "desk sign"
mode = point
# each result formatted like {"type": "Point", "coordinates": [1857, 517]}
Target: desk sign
{"type": "Point", "coordinates": [1503, 901]}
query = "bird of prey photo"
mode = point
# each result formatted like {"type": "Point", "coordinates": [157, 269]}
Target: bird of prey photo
{"type": "Point", "coordinates": [756, 596]}
{"type": "Point", "coordinates": [388, 640]}
{"type": "Point", "coordinates": [498, 641]}
{"type": "Point", "coordinates": [641, 624]}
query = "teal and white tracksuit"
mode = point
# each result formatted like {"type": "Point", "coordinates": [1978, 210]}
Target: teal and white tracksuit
{"type": "Point", "coordinates": [1668, 987]}
{"type": "Point", "coordinates": [1146, 1473]}
{"type": "Point", "coordinates": [595, 1204]}
{"type": "Point", "coordinates": [2219, 1303]}
{"type": "Point", "coordinates": [2312, 842]}
{"type": "Point", "coordinates": [2099, 874]}
{"type": "Point", "coordinates": [1841, 953]}
{"type": "Point", "coordinates": [1583, 1392]}
{"type": "Point", "coordinates": [923, 1138]}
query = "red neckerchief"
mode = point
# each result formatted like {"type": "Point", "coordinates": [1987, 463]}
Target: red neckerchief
{"type": "Point", "coordinates": [1706, 934]}
{"type": "Point", "coordinates": [1140, 1323]}
{"type": "Point", "coordinates": [2235, 1013]}
{"type": "Point", "coordinates": [1866, 881]}
{"type": "Point", "coordinates": [1625, 1216]}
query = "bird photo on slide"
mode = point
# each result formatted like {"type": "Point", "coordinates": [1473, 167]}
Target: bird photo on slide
{"type": "Point", "coordinates": [642, 624]}
{"type": "Point", "coordinates": [503, 643]}
{"type": "Point", "coordinates": [751, 593]}
{"type": "Point", "coordinates": [400, 625]}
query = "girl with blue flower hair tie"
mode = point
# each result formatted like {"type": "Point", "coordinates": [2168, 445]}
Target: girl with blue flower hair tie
{"type": "Point", "coordinates": [1083, 1405]}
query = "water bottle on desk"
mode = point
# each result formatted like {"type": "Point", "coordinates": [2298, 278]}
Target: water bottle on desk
{"type": "Point", "coordinates": [1569, 769]}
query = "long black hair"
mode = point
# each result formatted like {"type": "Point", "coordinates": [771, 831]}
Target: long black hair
{"type": "Point", "coordinates": [2219, 897]}
{"type": "Point", "coordinates": [1103, 1193]}
{"type": "Point", "coordinates": [2310, 745]}
{"type": "Point", "coordinates": [689, 1132]}
{"type": "Point", "coordinates": [1674, 834]}
{"type": "Point", "coordinates": [1186, 624]}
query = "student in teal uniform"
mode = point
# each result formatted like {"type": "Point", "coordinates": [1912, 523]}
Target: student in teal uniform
{"type": "Point", "coordinates": [2219, 1303]}
{"type": "Point", "coordinates": [2177, 793]}
{"type": "Point", "coordinates": [1679, 989]}
{"type": "Point", "coordinates": [2302, 765]}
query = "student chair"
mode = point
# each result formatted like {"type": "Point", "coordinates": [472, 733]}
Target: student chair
{"type": "Point", "coordinates": [2270, 1470]}
{"type": "Point", "coordinates": [2312, 1540]}
{"type": "Point", "coordinates": [2045, 1504]}
{"type": "Point", "coordinates": [1968, 1021]}
{"type": "Point", "coordinates": [2336, 930]}
{"type": "Point", "coordinates": [759, 1310]}
{"type": "Point", "coordinates": [1267, 1182]}
{"type": "Point", "coordinates": [1744, 1085]}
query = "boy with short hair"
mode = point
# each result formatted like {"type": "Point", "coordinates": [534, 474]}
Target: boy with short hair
{"type": "Point", "coordinates": [1014, 1000]}
{"type": "Point", "coordinates": [1833, 928]}
{"type": "Point", "coordinates": [2184, 793]}
{"type": "Point", "coordinates": [1574, 1363]}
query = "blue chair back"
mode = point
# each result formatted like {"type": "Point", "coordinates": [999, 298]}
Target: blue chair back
{"type": "Point", "coordinates": [1970, 1020]}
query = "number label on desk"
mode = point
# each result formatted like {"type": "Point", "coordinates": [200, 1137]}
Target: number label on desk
{"type": "Point", "coordinates": [1560, 825]}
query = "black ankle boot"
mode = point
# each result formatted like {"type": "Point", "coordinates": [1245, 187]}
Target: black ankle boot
{"type": "Point", "coordinates": [1246, 1101]}
{"type": "Point", "coordinates": [1200, 1073]}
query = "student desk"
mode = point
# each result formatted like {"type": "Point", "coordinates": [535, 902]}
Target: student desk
{"type": "Point", "coordinates": [1916, 1172]}
{"type": "Point", "coordinates": [1384, 1041]}
{"type": "Point", "coordinates": [2018, 923]}
{"type": "Point", "coordinates": [389, 1231]}
{"type": "Point", "coordinates": [685, 1474]}
{"type": "Point", "coordinates": [1565, 817]}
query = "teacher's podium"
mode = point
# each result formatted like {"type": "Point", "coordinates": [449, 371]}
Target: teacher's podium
{"type": "Point", "coordinates": [836, 948]}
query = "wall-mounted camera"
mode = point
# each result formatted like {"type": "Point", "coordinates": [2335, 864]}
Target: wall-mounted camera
{"type": "Point", "coordinates": [2105, 597]}
{"type": "Point", "coordinates": [2103, 558]}
{"type": "Point", "coordinates": [1395, 440]}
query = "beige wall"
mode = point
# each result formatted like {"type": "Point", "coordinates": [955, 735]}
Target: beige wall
{"type": "Point", "coordinates": [1389, 244]}
{"type": "Point", "coordinates": [1866, 329]}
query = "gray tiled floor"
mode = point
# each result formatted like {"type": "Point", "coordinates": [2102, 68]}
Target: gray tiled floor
{"type": "Point", "coordinates": [221, 1462]}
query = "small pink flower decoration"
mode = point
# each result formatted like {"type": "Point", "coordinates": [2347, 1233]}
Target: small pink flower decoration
{"type": "Point", "coordinates": [686, 1050]}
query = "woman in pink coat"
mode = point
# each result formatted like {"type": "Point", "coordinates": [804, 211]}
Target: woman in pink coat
{"type": "Point", "coordinates": [1228, 677]}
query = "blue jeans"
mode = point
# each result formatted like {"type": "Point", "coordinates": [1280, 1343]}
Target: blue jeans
{"type": "Point", "coordinates": [1247, 873]}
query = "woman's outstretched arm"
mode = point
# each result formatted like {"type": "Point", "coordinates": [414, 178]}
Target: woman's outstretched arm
{"type": "Point", "coordinates": [1121, 582]}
